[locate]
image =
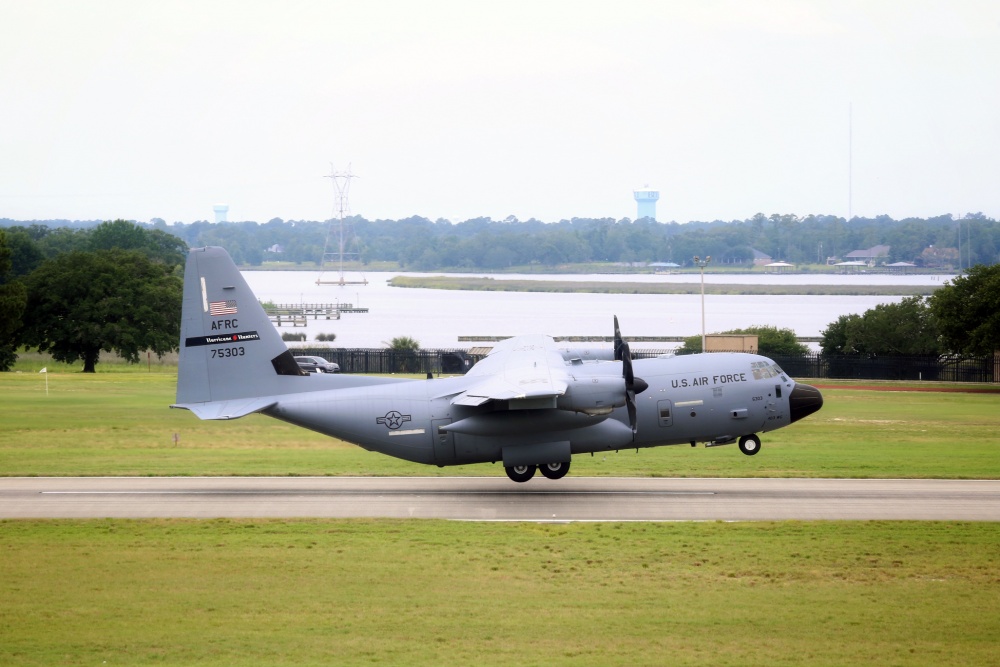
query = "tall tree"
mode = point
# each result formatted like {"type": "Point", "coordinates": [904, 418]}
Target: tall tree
{"type": "Point", "coordinates": [124, 235]}
{"type": "Point", "coordinates": [13, 298]}
{"type": "Point", "coordinates": [82, 303]}
{"type": "Point", "coordinates": [836, 338]}
{"type": "Point", "coordinates": [905, 328]}
{"type": "Point", "coordinates": [968, 311]}
{"type": "Point", "coordinates": [25, 254]}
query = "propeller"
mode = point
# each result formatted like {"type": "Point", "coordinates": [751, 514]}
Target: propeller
{"type": "Point", "coordinates": [633, 385]}
{"type": "Point", "coordinates": [618, 341]}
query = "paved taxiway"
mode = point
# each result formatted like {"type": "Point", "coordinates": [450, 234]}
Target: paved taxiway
{"type": "Point", "coordinates": [499, 499]}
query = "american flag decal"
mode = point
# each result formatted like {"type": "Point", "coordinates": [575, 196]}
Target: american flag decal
{"type": "Point", "coordinates": [216, 308]}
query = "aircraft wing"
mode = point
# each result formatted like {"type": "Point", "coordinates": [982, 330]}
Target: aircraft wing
{"type": "Point", "coordinates": [519, 368]}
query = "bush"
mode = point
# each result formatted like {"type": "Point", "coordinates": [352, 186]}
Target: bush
{"type": "Point", "coordinates": [326, 337]}
{"type": "Point", "coordinates": [289, 336]}
{"type": "Point", "coordinates": [404, 351]}
{"type": "Point", "coordinates": [771, 341]}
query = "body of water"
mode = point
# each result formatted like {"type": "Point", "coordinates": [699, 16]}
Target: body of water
{"type": "Point", "coordinates": [436, 318]}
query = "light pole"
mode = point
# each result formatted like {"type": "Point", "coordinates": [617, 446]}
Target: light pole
{"type": "Point", "coordinates": [701, 264]}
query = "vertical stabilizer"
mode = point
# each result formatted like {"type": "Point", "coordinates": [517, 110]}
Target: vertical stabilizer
{"type": "Point", "coordinates": [229, 350]}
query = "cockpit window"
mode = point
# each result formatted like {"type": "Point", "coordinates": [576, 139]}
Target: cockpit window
{"type": "Point", "coordinates": [761, 370]}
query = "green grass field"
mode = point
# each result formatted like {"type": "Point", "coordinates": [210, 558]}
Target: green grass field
{"type": "Point", "coordinates": [119, 423]}
{"type": "Point", "coordinates": [363, 592]}
{"type": "Point", "coordinates": [438, 593]}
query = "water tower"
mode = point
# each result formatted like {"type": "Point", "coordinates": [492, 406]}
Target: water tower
{"type": "Point", "coordinates": [221, 212]}
{"type": "Point", "coordinates": [645, 199]}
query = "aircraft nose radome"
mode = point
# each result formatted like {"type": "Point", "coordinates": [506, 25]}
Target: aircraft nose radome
{"type": "Point", "coordinates": [803, 401]}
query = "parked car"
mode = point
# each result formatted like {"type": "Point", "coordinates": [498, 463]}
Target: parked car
{"type": "Point", "coordinates": [317, 365]}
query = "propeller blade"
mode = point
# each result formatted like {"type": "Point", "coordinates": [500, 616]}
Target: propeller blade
{"type": "Point", "coordinates": [633, 385]}
{"type": "Point", "coordinates": [627, 365]}
{"type": "Point", "coordinates": [618, 341]}
{"type": "Point", "coordinates": [630, 406]}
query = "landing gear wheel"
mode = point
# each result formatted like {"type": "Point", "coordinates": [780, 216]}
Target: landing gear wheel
{"type": "Point", "coordinates": [750, 444]}
{"type": "Point", "coordinates": [520, 473]}
{"type": "Point", "coordinates": [554, 470]}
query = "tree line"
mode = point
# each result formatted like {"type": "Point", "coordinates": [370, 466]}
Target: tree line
{"type": "Point", "coordinates": [419, 244]}
{"type": "Point", "coordinates": [117, 286]}
{"type": "Point", "coordinates": [963, 317]}
{"type": "Point", "coordinates": [113, 287]}
{"type": "Point", "coordinates": [960, 318]}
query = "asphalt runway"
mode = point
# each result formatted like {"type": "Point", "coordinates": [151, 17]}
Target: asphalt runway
{"type": "Point", "coordinates": [499, 499]}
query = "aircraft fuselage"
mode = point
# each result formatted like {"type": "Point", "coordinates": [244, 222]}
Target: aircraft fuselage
{"type": "Point", "coordinates": [696, 398]}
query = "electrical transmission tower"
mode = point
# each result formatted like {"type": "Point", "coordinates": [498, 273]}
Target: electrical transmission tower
{"type": "Point", "coordinates": [339, 235]}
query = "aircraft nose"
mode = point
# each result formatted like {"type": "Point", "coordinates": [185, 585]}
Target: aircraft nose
{"type": "Point", "coordinates": [803, 401]}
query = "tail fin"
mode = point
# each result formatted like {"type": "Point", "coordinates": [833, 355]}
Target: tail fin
{"type": "Point", "coordinates": [232, 360]}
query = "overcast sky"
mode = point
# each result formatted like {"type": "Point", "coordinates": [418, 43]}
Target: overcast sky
{"type": "Point", "coordinates": [142, 109]}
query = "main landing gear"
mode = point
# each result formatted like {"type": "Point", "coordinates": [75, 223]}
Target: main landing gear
{"type": "Point", "coordinates": [550, 470]}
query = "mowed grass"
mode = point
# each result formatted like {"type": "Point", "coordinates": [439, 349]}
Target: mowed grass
{"type": "Point", "coordinates": [361, 592]}
{"type": "Point", "coordinates": [229, 592]}
{"type": "Point", "coordinates": [120, 424]}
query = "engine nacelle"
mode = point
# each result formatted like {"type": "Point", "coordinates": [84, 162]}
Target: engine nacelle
{"type": "Point", "coordinates": [593, 395]}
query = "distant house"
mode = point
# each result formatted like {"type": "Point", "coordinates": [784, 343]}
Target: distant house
{"type": "Point", "coordinates": [870, 256]}
{"type": "Point", "coordinates": [938, 257]}
{"type": "Point", "coordinates": [761, 259]}
{"type": "Point", "coordinates": [276, 248]}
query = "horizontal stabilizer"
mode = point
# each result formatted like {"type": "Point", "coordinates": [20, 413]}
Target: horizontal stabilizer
{"type": "Point", "coordinates": [232, 409]}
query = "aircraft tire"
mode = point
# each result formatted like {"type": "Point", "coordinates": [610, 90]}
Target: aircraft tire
{"type": "Point", "coordinates": [750, 444]}
{"type": "Point", "coordinates": [554, 470]}
{"type": "Point", "coordinates": [520, 473]}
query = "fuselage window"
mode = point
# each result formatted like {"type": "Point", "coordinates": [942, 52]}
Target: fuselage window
{"type": "Point", "coordinates": [664, 411]}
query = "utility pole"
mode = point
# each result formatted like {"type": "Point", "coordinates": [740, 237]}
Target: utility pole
{"type": "Point", "coordinates": [342, 184]}
{"type": "Point", "coordinates": [701, 264]}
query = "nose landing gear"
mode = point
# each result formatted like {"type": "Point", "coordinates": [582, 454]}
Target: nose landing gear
{"type": "Point", "coordinates": [750, 444]}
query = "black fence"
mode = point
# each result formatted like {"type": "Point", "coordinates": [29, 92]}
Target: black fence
{"type": "Point", "coordinates": [381, 360]}
{"type": "Point", "coordinates": [456, 362]}
{"type": "Point", "coordinates": [952, 368]}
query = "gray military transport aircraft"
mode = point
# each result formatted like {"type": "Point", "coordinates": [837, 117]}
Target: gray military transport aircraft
{"type": "Point", "coordinates": [527, 404]}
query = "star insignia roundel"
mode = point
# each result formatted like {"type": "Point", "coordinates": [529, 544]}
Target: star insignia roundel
{"type": "Point", "coordinates": [393, 420]}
